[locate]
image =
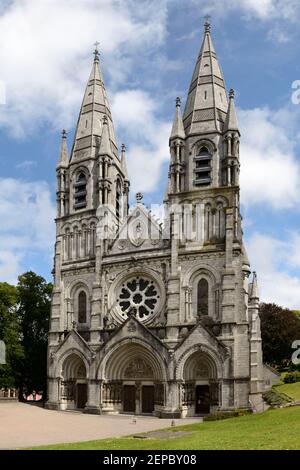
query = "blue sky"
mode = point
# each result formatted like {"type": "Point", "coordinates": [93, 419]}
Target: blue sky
{"type": "Point", "coordinates": [148, 51]}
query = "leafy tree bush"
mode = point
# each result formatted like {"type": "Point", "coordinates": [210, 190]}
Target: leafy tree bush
{"type": "Point", "coordinates": [10, 333]}
{"type": "Point", "coordinates": [34, 295]}
{"type": "Point", "coordinates": [280, 327]}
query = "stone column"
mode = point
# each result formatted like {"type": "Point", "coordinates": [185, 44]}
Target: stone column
{"type": "Point", "coordinates": [93, 403]}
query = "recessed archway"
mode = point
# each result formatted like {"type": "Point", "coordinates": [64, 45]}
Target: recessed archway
{"type": "Point", "coordinates": [133, 380]}
{"type": "Point", "coordinates": [74, 384]}
{"type": "Point", "coordinates": [200, 386]}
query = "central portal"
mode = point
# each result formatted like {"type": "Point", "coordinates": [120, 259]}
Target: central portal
{"type": "Point", "coordinates": [133, 382]}
{"type": "Point", "coordinates": [129, 398]}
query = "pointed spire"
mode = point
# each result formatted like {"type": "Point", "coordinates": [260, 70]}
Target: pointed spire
{"type": "Point", "coordinates": [63, 160]}
{"type": "Point", "coordinates": [105, 147]}
{"type": "Point", "coordinates": [94, 106]}
{"type": "Point", "coordinates": [207, 104]}
{"type": "Point", "coordinates": [123, 162]}
{"type": "Point", "coordinates": [177, 129]}
{"type": "Point", "coordinates": [254, 287]}
{"type": "Point", "coordinates": [231, 123]}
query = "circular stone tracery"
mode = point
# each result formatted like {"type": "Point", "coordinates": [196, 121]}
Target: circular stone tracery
{"type": "Point", "coordinates": [140, 295]}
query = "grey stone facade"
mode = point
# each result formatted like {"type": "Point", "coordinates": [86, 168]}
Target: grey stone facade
{"type": "Point", "coordinates": [150, 318]}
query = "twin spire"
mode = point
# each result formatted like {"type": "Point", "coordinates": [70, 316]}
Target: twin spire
{"type": "Point", "coordinates": [207, 108]}
{"type": "Point", "coordinates": [94, 118]}
{"type": "Point", "coordinates": [207, 105]}
{"type": "Point", "coordinates": [95, 134]}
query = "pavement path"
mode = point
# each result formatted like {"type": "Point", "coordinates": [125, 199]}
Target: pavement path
{"type": "Point", "coordinates": [24, 425]}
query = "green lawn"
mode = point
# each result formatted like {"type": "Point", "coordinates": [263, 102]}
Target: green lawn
{"type": "Point", "coordinates": [292, 390]}
{"type": "Point", "coordinates": [273, 429]}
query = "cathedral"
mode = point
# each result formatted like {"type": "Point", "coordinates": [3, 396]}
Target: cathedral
{"type": "Point", "coordinates": [149, 317]}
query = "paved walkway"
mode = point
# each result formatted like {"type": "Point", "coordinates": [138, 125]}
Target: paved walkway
{"type": "Point", "coordinates": [23, 425]}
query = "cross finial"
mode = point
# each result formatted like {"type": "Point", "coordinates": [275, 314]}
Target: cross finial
{"type": "Point", "coordinates": [178, 102]}
{"type": "Point", "coordinates": [123, 148]}
{"type": "Point", "coordinates": [231, 93]}
{"type": "Point", "coordinates": [207, 23]}
{"type": "Point", "coordinates": [105, 120]}
{"type": "Point", "coordinates": [64, 134]}
{"type": "Point", "coordinates": [96, 51]}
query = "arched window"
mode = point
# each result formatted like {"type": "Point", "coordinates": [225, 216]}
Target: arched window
{"type": "Point", "coordinates": [93, 238]}
{"type": "Point", "coordinates": [76, 243]}
{"type": "Point", "coordinates": [68, 244]}
{"type": "Point", "coordinates": [203, 167]}
{"type": "Point", "coordinates": [82, 307]}
{"type": "Point", "coordinates": [80, 191]}
{"type": "Point", "coordinates": [207, 222]}
{"type": "Point", "coordinates": [118, 199]}
{"type": "Point", "coordinates": [220, 222]}
{"type": "Point", "coordinates": [202, 297]}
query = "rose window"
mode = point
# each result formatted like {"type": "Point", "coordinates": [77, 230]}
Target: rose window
{"type": "Point", "coordinates": [139, 296]}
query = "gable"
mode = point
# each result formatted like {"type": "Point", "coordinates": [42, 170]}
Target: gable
{"type": "Point", "coordinates": [133, 330]}
{"type": "Point", "coordinates": [73, 340]}
{"type": "Point", "coordinates": [139, 231]}
{"type": "Point", "coordinates": [200, 335]}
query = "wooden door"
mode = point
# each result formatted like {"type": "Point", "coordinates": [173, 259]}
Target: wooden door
{"type": "Point", "coordinates": [81, 395]}
{"type": "Point", "coordinates": [129, 398]}
{"type": "Point", "coordinates": [147, 399]}
{"type": "Point", "coordinates": [202, 399]}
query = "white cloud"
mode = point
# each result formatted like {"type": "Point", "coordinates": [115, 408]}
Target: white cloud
{"type": "Point", "coordinates": [44, 48]}
{"type": "Point", "coordinates": [28, 225]}
{"type": "Point", "coordinates": [270, 171]}
{"type": "Point", "coordinates": [273, 259]}
{"type": "Point", "coordinates": [148, 136]}
{"type": "Point", "coordinates": [265, 10]}
{"type": "Point", "coordinates": [10, 266]}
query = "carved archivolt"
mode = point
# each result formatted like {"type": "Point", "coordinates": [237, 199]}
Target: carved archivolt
{"type": "Point", "coordinates": [138, 369]}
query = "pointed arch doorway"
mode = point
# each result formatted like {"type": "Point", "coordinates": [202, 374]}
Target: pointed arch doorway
{"type": "Point", "coordinates": [200, 387]}
{"type": "Point", "coordinates": [74, 384]}
{"type": "Point", "coordinates": [133, 382]}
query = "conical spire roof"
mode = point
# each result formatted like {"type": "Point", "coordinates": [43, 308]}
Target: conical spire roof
{"type": "Point", "coordinates": [63, 160]}
{"type": "Point", "coordinates": [254, 294]}
{"type": "Point", "coordinates": [105, 145]}
{"type": "Point", "coordinates": [207, 103]}
{"type": "Point", "coordinates": [89, 127]}
{"type": "Point", "coordinates": [177, 129]}
{"type": "Point", "coordinates": [231, 123]}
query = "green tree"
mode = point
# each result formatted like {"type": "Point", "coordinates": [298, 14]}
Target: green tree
{"type": "Point", "coordinates": [34, 295]}
{"type": "Point", "coordinates": [279, 328]}
{"type": "Point", "coordinates": [10, 333]}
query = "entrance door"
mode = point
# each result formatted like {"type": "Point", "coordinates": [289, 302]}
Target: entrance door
{"type": "Point", "coordinates": [202, 399]}
{"type": "Point", "coordinates": [81, 395]}
{"type": "Point", "coordinates": [129, 398]}
{"type": "Point", "coordinates": [147, 399]}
